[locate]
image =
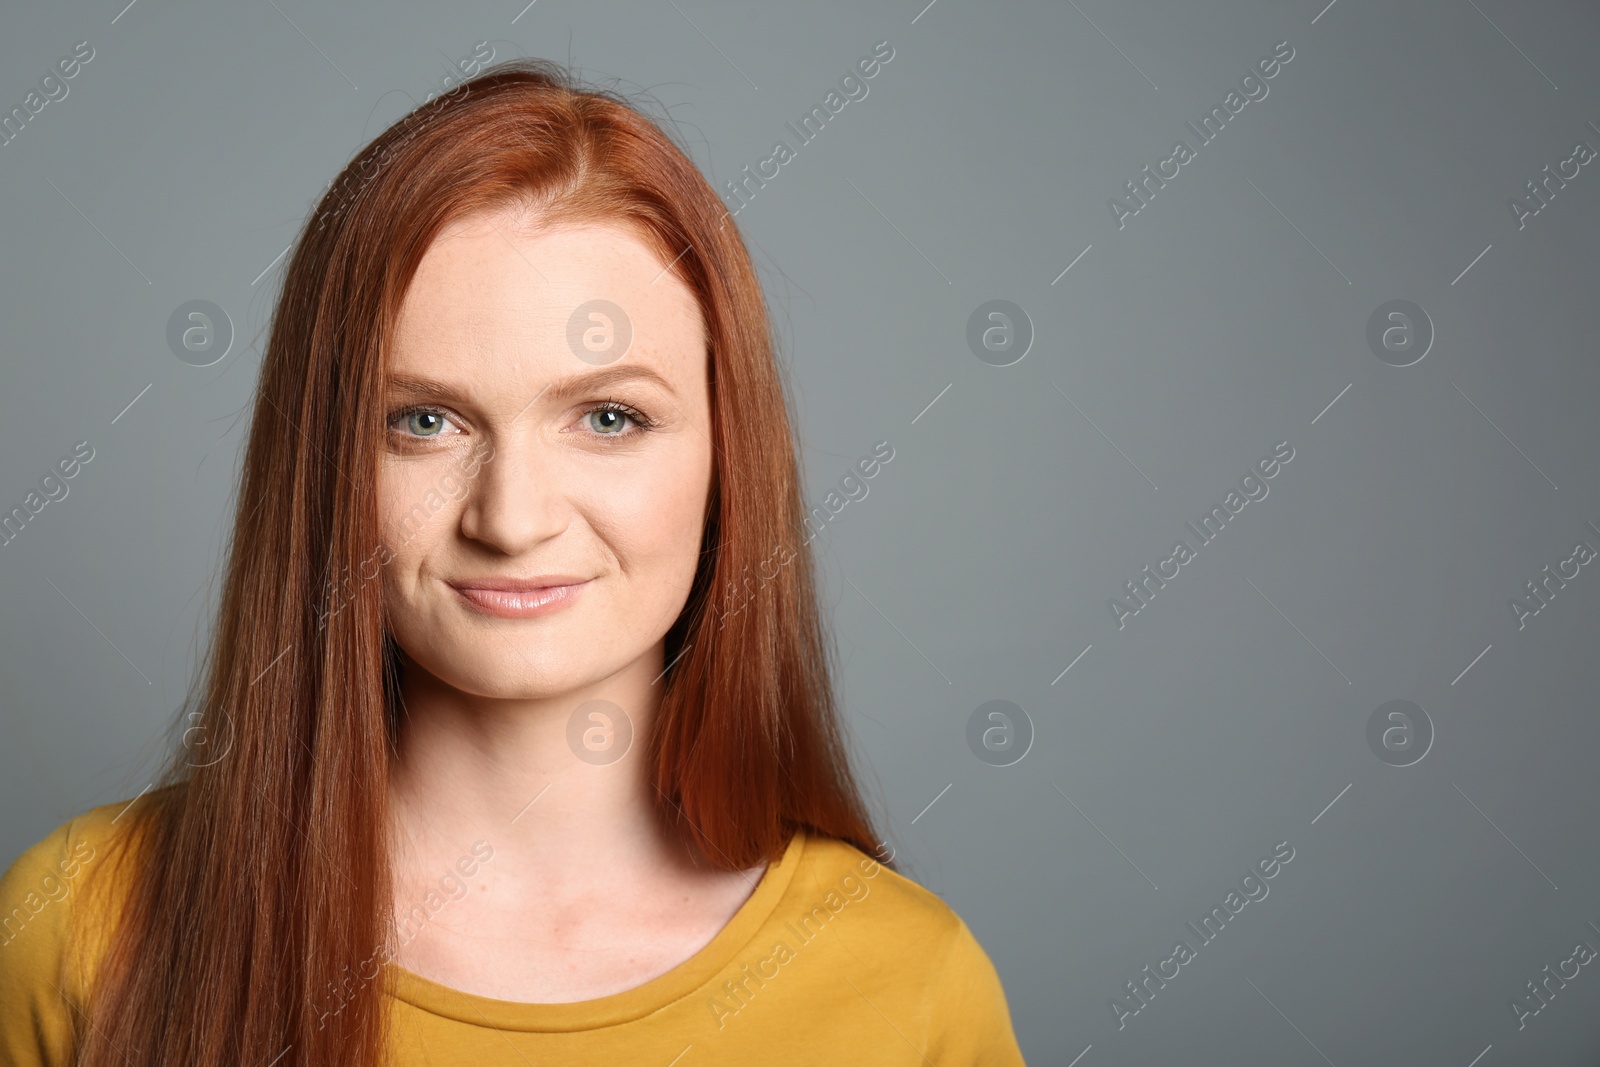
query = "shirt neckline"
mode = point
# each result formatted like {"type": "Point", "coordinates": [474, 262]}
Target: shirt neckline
{"type": "Point", "coordinates": [630, 1004]}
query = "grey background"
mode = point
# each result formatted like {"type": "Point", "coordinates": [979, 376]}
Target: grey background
{"type": "Point", "coordinates": [1225, 317]}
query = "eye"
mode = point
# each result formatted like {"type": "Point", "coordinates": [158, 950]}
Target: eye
{"type": "Point", "coordinates": [607, 418]}
{"type": "Point", "coordinates": [420, 421]}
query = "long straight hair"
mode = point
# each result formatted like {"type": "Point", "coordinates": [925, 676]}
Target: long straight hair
{"type": "Point", "coordinates": [263, 882]}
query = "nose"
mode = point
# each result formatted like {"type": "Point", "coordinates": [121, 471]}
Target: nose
{"type": "Point", "coordinates": [515, 499]}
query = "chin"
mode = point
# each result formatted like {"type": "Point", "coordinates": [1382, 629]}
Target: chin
{"type": "Point", "coordinates": [517, 669]}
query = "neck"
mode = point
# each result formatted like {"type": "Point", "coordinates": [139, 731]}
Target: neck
{"type": "Point", "coordinates": [546, 792]}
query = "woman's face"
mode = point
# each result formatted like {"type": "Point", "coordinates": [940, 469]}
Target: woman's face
{"type": "Point", "coordinates": [533, 438]}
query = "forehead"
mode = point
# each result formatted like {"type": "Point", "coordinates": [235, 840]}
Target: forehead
{"type": "Point", "coordinates": [491, 295]}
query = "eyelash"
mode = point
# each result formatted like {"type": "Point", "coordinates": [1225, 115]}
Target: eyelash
{"type": "Point", "coordinates": [642, 422]}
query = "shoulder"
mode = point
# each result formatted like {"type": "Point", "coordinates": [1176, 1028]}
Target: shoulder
{"type": "Point", "coordinates": [837, 871]}
{"type": "Point", "coordinates": [915, 933]}
{"type": "Point", "coordinates": [56, 909]}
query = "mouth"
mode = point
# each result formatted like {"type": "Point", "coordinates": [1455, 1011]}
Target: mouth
{"type": "Point", "coordinates": [519, 598]}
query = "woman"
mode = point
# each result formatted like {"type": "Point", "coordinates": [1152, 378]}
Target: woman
{"type": "Point", "coordinates": [504, 754]}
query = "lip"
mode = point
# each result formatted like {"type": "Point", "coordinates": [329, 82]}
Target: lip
{"type": "Point", "coordinates": [519, 598]}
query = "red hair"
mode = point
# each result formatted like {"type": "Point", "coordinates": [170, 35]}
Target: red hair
{"type": "Point", "coordinates": [263, 881]}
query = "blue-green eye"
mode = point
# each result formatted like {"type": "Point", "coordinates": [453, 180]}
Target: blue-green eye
{"type": "Point", "coordinates": [607, 419]}
{"type": "Point", "coordinates": [420, 421]}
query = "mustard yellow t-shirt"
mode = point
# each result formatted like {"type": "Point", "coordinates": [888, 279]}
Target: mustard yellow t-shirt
{"type": "Point", "coordinates": [833, 959]}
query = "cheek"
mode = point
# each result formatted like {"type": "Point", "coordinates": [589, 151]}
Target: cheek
{"type": "Point", "coordinates": [653, 517]}
{"type": "Point", "coordinates": [409, 515]}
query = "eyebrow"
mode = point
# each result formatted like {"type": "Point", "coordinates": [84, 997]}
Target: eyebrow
{"type": "Point", "coordinates": [561, 389]}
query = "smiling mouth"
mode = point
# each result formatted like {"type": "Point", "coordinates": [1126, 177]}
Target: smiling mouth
{"type": "Point", "coordinates": [519, 603]}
